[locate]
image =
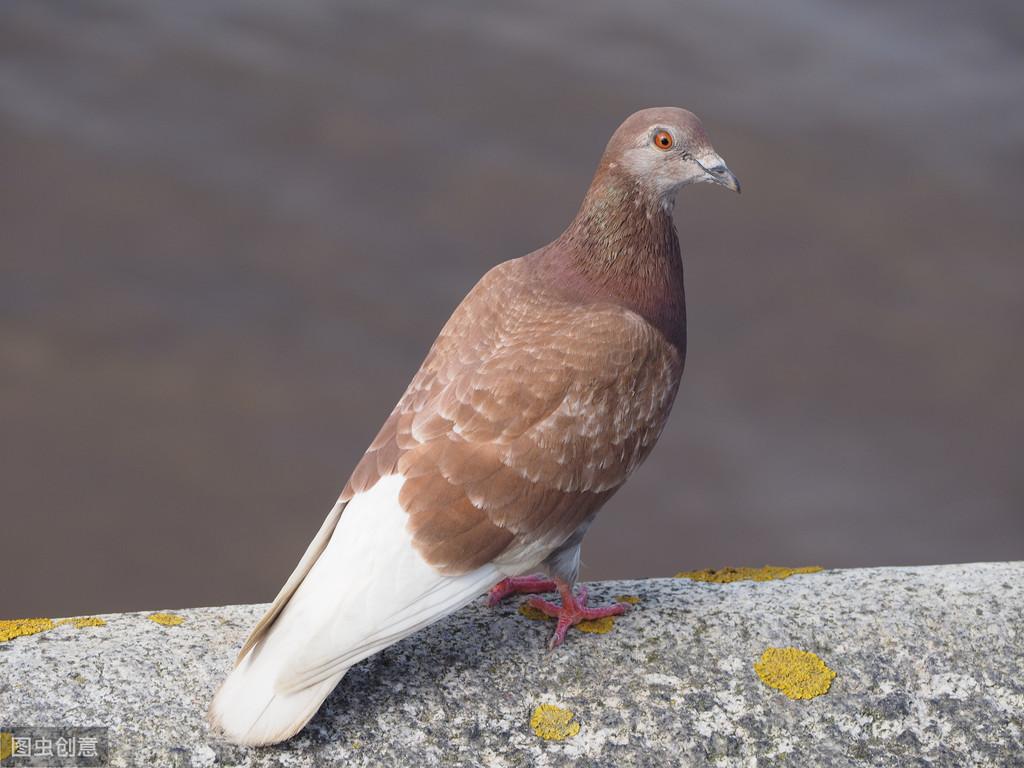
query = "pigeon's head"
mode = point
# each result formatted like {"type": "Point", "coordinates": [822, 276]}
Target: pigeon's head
{"type": "Point", "coordinates": [665, 148]}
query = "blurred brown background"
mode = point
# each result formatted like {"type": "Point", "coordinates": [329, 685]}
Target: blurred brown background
{"type": "Point", "coordinates": [230, 231]}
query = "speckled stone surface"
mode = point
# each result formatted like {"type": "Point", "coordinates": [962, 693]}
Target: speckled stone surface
{"type": "Point", "coordinates": [929, 663]}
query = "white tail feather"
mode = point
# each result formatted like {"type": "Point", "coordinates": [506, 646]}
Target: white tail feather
{"type": "Point", "coordinates": [369, 588]}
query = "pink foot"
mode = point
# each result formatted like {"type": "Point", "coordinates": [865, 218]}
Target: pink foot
{"type": "Point", "coordinates": [528, 585]}
{"type": "Point", "coordinates": [572, 611]}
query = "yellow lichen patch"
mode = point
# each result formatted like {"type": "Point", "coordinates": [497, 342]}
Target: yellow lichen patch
{"type": "Point", "coordinates": [631, 599]}
{"type": "Point", "coordinates": [597, 626]}
{"type": "Point", "coordinates": [12, 628]}
{"type": "Point", "coordinates": [530, 612]}
{"type": "Point", "coordinates": [798, 674]}
{"type": "Point", "coordinates": [593, 626]}
{"type": "Point", "coordinates": [553, 723]}
{"type": "Point", "coordinates": [727, 575]}
{"type": "Point", "coordinates": [166, 619]}
{"type": "Point", "coordinates": [6, 745]}
{"type": "Point", "coordinates": [80, 622]}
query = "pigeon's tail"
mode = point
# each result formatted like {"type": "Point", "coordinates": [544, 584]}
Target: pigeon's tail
{"type": "Point", "coordinates": [250, 710]}
{"type": "Point", "coordinates": [360, 587]}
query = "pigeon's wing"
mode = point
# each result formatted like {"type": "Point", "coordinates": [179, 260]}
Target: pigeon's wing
{"type": "Point", "coordinates": [528, 412]}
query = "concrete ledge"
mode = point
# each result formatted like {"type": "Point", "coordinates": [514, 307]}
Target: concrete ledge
{"type": "Point", "coordinates": [928, 662]}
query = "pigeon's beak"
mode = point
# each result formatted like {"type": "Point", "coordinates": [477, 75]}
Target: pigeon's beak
{"type": "Point", "coordinates": [719, 173]}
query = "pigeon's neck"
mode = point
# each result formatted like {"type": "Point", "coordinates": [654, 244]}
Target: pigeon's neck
{"type": "Point", "coordinates": [623, 245]}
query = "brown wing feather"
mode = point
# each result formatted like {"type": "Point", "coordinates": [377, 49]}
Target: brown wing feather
{"type": "Point", "coordinates": [529, 411]}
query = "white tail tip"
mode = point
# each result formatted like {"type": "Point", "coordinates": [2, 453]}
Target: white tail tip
{"type": "Point", "coordinates": [248, 710]}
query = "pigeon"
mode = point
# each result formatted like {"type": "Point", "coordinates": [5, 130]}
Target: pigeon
{"type": "Point", "coordinates": [547, 387]}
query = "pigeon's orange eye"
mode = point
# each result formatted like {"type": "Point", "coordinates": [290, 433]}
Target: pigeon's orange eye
{"type": "Point", "coordinates": [663, 140]}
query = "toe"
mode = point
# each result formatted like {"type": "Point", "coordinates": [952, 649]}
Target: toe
{"type": "Point", "coordinates": [545, 607]}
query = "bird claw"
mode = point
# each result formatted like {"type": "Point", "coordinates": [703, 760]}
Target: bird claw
{"type": "Point", "coordinates": [572, 611]}
{"type": "Point", "coordinates": [519, 585]}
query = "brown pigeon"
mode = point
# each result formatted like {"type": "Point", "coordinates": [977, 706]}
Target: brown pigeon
{"type": "Point", "coordinates": [548, 386]}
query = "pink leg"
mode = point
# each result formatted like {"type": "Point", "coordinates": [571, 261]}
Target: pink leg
{"type": "Point", "coordinates": [519, 585]}
{"type": "Point", "coordinates": [572, 611]}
